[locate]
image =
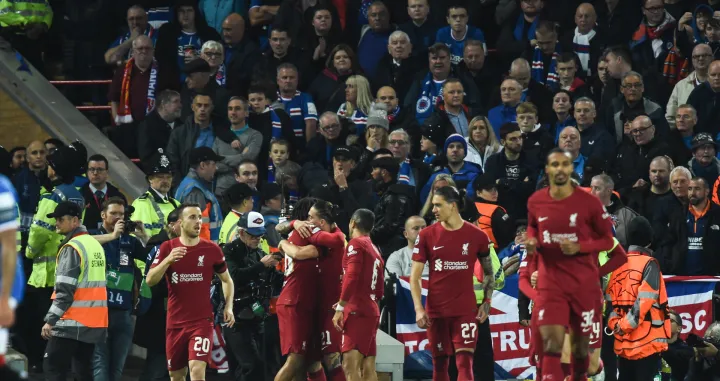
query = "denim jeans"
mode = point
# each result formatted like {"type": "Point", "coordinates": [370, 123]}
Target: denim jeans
{"type": "Point", "coordinates": [109, 357]}
{"type": "Point", "coordinates": [155, 368]}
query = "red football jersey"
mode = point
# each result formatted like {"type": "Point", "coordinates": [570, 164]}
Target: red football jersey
{"type": "Point", "coordinates": [451, 256]}
{"type": "Point", "coordinates": [362, 284]}
{"type": "Point", "coordinates": [331, 246]}
{"type": "Point", "coordinates": [189, 281]}
{"type": "Point", "coordinates": [578, 218]}
{"type": "Point", "coordinates": [300, 276]}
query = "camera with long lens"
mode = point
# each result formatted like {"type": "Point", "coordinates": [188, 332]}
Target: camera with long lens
{"type": "Point", "coordinates": [254, 302]}
{"type": "Point", "coordinates": [130, 225]}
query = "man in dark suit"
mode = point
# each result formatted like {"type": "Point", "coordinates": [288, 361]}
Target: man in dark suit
{"type": "Point", "coordinates": [154, 131]}
{"type": "Point", "coordinates": [97, 190]}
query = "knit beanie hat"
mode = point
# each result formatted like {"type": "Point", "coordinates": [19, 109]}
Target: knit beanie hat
{"type": "Point", "coordinates": [433, 130]}
{"type": "Point", "coordinates": [378, 116]}
{"type": "Point", "coordinates": [639, 232]}
{"type": "Point", "coordinates": [455, 138]}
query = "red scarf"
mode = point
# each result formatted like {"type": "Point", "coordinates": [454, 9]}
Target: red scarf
{"type": "Point", "coordinates": [124, 114]}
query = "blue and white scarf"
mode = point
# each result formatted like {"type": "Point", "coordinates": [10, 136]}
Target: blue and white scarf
{"type": "Point", "coordinates": [538, 69]}
{"type": "Point", "coordinates": [430, 95]}
{"type": "Point", "coordinates": [581, 46]}
{"type": "Point", "coordinates": [405, 175]}
{"type": "Point", "coordinates": [428, 159]}
{"type": "Point", "coordinates": [276, 125]}
{"type": "Point", "coordinates": [220, 76]}
{"type": "Point", "coordinates": [520, 25]}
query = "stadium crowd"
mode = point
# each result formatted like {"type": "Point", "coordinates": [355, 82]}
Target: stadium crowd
{"type": "Point", "coordinates": [289, 116]}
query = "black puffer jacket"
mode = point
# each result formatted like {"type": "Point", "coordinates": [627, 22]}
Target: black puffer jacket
{"type": "Point", "coordinates": [396, 204]}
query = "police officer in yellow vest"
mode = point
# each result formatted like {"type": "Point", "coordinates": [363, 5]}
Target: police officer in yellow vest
{"type": "Point", "coordinates": [22, 23]}
{"type": "Point", "coordinates": [240, 198]}
{"type": "Point", "coordinates": [78, 317]}
{"type": "Point", "coordinates": [493, 220]}
{"type": "Point", "coordinates": [153, 207]}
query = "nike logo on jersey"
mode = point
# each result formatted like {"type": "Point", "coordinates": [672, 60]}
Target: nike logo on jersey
{"type": "Point", "coordinates": [437, 247]}
{"type": "Point", "coordinates": [541, 219]}
{"type": "Point", "coordinates": [468, 341]}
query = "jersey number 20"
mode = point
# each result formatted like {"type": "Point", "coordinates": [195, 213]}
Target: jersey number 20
{"type": "Point", "coordinates": [202, 344]}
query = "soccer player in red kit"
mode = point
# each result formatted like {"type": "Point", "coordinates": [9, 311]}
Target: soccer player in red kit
{"type": "Point", "coordinates": [296, 305]}
{"type": "Point", "coordinates": [357, 314]}
{"type": "Point", "coordinates": [188, 264]}
{"type": "Point", "coordinates": [451, 246]}
{"type": "Point", "coordinates": [321, 232]}
{"type": "Point", "coordinates": [568, 227]}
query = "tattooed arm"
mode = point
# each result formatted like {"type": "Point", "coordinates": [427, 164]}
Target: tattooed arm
{"type": "Point", "coordinates": [284, 228]}
{"type": "Point", "coordinates": [488, 286]}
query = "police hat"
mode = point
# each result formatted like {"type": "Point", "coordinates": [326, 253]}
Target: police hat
{"type": "Point", "coordinates": [65, 161]}
{"type": "Point", "coordinates": [81, 155]}
{"type": "Point", "coordinates": [159, 163]}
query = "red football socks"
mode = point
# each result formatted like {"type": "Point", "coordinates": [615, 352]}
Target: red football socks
{"type": "Point", "coordinates": [464, 362]}
{"type": "Point", "coordinates": [317, 376]}
{"type": "Point", "coordinates": [337, 374]}
{"type": "Point", "coordinates": [552, 370]}
{"type": "Point", "coordinates": [580, 367]}
{"type": "Point", "coordinates": [440, 368]}
{"type": "Point", "coordinates": [566, 369]}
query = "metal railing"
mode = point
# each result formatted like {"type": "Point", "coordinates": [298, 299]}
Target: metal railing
{"type": "Point", "coordinates": [83, 83]}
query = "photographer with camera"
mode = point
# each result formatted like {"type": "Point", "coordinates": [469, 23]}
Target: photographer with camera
{"type": "Point", "coordinates": [123, 283]}
{"type": "Point", "coordinates": [706, 362]}
{"type": "Point", "coordinates": [253, 272]}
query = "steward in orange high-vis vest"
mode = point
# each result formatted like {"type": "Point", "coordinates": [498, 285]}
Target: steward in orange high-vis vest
{"type": "Point", "coordinates": [78, 316]}
{"type": "Point", "coordinates": [492, 218]}
{"type": "Point", "coordinates": [639, 318]}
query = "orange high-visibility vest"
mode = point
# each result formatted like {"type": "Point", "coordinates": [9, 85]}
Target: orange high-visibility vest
{"type": "Point", "coordinates": [89, 305]}
{"type": "Point", "coordinates": [648, 332]}
{"type": "Point", "coordinates": [485, 221]}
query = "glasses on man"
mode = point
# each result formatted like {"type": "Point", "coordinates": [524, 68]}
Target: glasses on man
{"type": "Point", "coordinates": [395, 142]}
{"type": "Point", "coordinates": [634, 86]}
{"type": "Point", "coordinates": [331, 127]}
{"type": "Point", "coordinates": [213, 54]}
{"type": "Point", "coordinates": [702, 56]}
{"type": "Point", "coordinates": [638, 131]}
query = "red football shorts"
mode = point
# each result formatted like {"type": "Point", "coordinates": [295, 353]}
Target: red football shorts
{"type": "Point", "coordinates": [325, 338]}
{"type": "Point", "coordinates": [448, 334]}
{"type": "Point", "coordinates": [296, 327]}
{"type": "Point", "coordinates": [188, 343]}
{"type": "Point", "coordinates": [579, 310]}
{"type": "Point", "coordinates": [359, 333]}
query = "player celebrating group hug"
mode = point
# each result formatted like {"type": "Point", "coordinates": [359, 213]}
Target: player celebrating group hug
{"type": "Point", "coordinates": [567, 229]}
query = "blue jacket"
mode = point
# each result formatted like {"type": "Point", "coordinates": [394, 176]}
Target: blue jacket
{"type": "Point", "coordinates": [463, 179]}
{"type": "Point", "coordinates": [216, 216]}
{"type": "Point", "coordinates": [500, 115]}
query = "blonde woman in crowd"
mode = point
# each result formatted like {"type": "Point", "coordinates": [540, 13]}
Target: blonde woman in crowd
{"type": "Point", "coordinates": [358, 99]}
{"type": "Point", "coordinates": [481, 140]}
